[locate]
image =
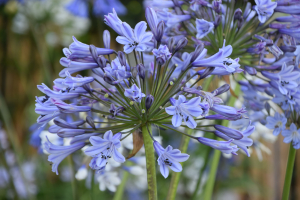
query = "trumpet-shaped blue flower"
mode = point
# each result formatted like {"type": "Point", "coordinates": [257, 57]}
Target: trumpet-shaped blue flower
{"type": "Point", "coordinates": [277, 123]}
{"type": "Point", "coordinates": [78, 81]}
{"type": "Point", "coordinates": [56, 94]}
{"type": "Point", "coordinates": [264, 9]}
{"type": "Point", "coordinates": [134, 39]}
{"type": "Point", "coordinates": [134, 93]}
{"type": "Point", "coordinates": [292, 135]}
{"type": "Point", "coordinates": [162, 54]}
{"type": "Point", "coordinates": [69, 108]}
{"type": "Point", "coordinates": [223, 146]}
{"type": "Point", "coordinates": [169, 157]}
{"type": "Point", "coordinates": [219, 59]}
{"type": "Point", "coordinates": [58, 153]}
{"type": "Point", "coordinates": [103, 149]}
{"type": "Point", "coordinates": [203, 28]}
{"type": "Point", "coordinates": [182, 109]}
{"type": "Point", "coordinates": [112, 20]}
{"type": "Point", "coordinates": [285, 80]}
{"type": "Point", "coordinates": [232, 133]}
{"type": "Point", "coordinates": [243, 143]}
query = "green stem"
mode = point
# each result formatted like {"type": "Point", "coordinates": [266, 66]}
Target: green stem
{"type": "Point", "coordinates": [73, 181]}
{"type": "Point", "coordinates": [212, 175]}
{"type": "Point", "coordinates": [289, 173]}
{"type": "Point", "coordinates": [119, 194]}
{"type": "Point", "coordinates": [92, 185]}
{"type": "Point", "coordinates": [176, 176]}
{"type": "Point", "coordinates": [206, 161]}
{"type": "Point", "coordinates": [150, 163]}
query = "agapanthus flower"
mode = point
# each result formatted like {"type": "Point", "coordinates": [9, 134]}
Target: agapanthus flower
{"type": "Point", "coordinates": [58, 153]}
{"type": "Point", "coordinates": [162, 54]}
{"type": "Point", "coordinates": [264, 9]}
{"type": "Point", "coordinates": [103, 149]}
{"type": "Point", "coordinates": [134, 39]}
{"type": "Point", "coordinates": [134, 93]}
{"type": "Point", "coordinates": [169, 158]}
{"type": "Point", "coordinates": [277, 123]}
{"type": "Point", "coordinates": [203, 28]}
{"type": "Point", "coordinates": [292, 135]}
{"type": "Point", "coordinates": [183, 110]}
{"type": "Point", "coordinates": [219, 59]}
{"type": "Point", "coordinates": [223, 146]}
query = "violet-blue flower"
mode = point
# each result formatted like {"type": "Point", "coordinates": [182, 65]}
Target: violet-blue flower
{"type": "Point", "coordinates": [69, 108]}
{"type": "Point", "coordinates": [219, 59]}
{"type": "Point", "coordinates": [162, 54]}
{"type": "Point", "coordinates": [277, 123]}
{"type": "Point", "coordinates": [243, 143]}
{"type": "Point", "coordinates": [223, 146]}
{"type": "Point", "coordinates": [264, 9]}
{"type": "Point", "coordinates": [134, 39]}
{"type": "Point", "coordinates": [203, 28]}
{"type": "Point", "coordinates": [105, 148]}
{"type": "Point", "coordinates": [292, 135]}
{"type": "Point", "coordinates": [58, 153]}
{"type": "Point", "coordinates": [185, 110]}
{"type": "Point", "coordinates": [78, 8]}
{"type": "Point", "coordinates": [169, 157]}
{"type": "Point", "coordinates": [134, 93]}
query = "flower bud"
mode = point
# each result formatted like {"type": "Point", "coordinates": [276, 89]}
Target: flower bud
{"type": "Point", "coordinates": [62, 123]}
{"type": "Point", "coordinates": [286, 48]}
{"type": "Point", "coordinates": [206, 72]}
{"type": "Point", "coordinates": [160, 31]}
{"type": "Point", "coordinates": [222, 89]}
{"type": "Point", "coordinates": [134, 71]}
{"type": "Point", "coordinates": [149, 101]}
{"type": "Point", "coordinates": [250, 70]}
{"type": "Point", "coordinates": [66, 132]}
{"type": "Point", "coordinates": [267, 107]}
{"type": "Point", "coordinates": [141, 70]}
{"type": "Point", "coordinates": [197, 52]}
{"type": "Point", "coordinates": [217, 21]}
{"type": "Point", "coordinates": [171, 43]}
{"type": "Point", "coordinates": [122, 58]}
{"type": "Point", "coordinates": [232, 133]}
{"type": "Point", "coordinates": [106, 39]}
{"type": "Point", "coordinates": [238, 14]}
{"type": "Point", "coordinates": [180, 44]}
{"type": "Point", "coordinates": [90, 121]}
{"type": "Point", "coordinates": [109, 79]}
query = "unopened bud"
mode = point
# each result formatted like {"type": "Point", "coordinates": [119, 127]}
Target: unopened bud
{"type": "Point", "coordinates": [122, 58]}
{"type": "Point", "coordinates": [267, 107]}
{"type": "Point", "coordinates": [171, 82]}
{"type": "Point", "coordinates": [206, 72]}
{"type": "Point", "coordinates": [90, 121]}
{"type": "Point", "coordinates": [250, 70]}
{"type": "Point", "coordinates": [238, 14]}
{"type": "Point", "coordinates": [217, 21]}
{"type": "Point", "coordinates": [160, 31]}
{"type": "Point", "coordinates": [141, 70]}
{"type": "Point", "coordinates": [181, 44]}
{"type": "Point", "coordinates": [106, 39]}
{"type": "Point", "coordinates": [197, 52]}
{"type": "Point", "coordinates": [134, 71]}
{"type": "Point", "coordinates": [222, 89]}
{"type": "Point", "coordinates": [149, 101]}
{"type": "Point", "coordinates": [143, 111]}
{"type": "Point", "coordinates": [131, 102]}
{"type": "Point", "coordinates": [171, 43]}
{"type": "Point", "coordinates": [106, 95]}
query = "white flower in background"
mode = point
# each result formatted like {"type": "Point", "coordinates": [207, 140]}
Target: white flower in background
{"type": "Point", "coordinates": [108, 180]}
